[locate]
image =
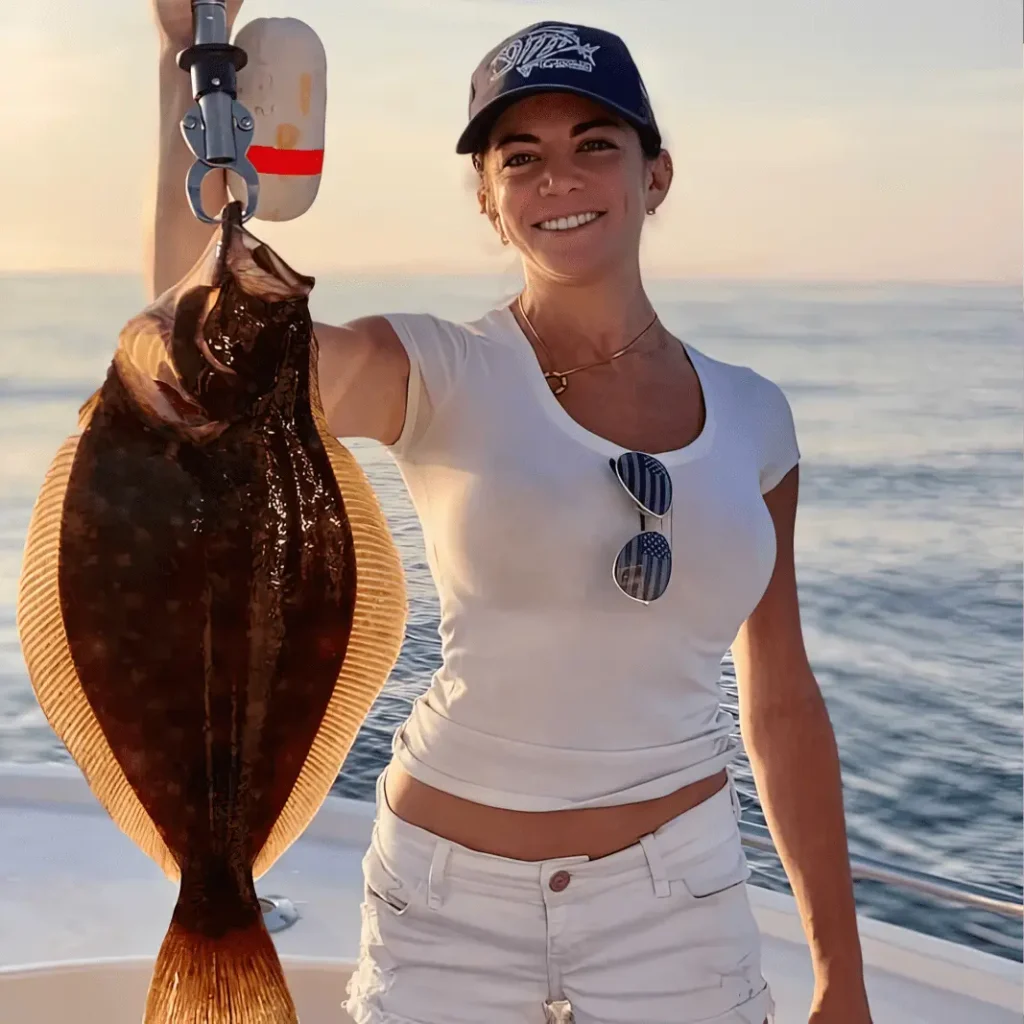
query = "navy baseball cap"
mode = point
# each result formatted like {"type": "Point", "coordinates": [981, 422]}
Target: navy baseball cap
{"type": "Point", "coordinates": [552, 56]}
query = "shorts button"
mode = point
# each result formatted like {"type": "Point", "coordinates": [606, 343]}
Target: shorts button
{"type": "Point", "coordinates": [559, 880]}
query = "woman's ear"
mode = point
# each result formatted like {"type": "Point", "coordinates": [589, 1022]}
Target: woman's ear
{"type": "Point", "coordinates": [659, 180]}
{"type": "Point", "coordinates": [487, 208]}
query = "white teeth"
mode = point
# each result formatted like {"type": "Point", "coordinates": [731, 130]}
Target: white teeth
{"type": "Point", "coordinates": [564, 223]}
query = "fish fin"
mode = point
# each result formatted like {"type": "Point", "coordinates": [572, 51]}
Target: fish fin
{"type": "Point", "coordinates": [51, 668]}
{"type": "Point", "coordinates": [88, 408]}
{"type": "Point", "coordinates": [232, 978]}
{"type": "Point", "coordinates": [378, 628]}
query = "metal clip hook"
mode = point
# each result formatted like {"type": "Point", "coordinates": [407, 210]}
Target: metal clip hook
{"type": "Point", "coordinates": [218, 129]}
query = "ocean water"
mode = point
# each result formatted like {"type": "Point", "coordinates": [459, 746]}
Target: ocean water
{"type": "Point", "coordinates": [907, 401]}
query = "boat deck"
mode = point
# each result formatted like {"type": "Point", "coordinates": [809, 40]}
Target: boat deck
{"type": "Point", "coordinates": [74, 888]}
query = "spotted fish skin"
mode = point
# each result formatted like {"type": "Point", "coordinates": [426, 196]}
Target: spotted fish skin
{"type": "Point", "coordinates": [207, 591]}
{"type": "Point", "coordinates": [210, 601]}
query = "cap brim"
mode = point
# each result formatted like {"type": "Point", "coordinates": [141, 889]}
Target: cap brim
{"type": "Point", "coordinates": [474, 137]}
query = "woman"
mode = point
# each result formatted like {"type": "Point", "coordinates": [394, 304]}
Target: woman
{"type": "Point", "coordinates": [558, 824]}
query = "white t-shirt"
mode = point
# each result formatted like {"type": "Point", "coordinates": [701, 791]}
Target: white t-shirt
{"type": "Point", "coordinates": [556, 690]}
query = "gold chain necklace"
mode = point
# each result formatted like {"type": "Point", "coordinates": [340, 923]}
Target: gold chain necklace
{"type": "Point", "coordinates": [562, 375]}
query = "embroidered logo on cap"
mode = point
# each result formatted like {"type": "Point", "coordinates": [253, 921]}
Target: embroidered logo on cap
{"type": "Point", "coordinates": [549, 47]}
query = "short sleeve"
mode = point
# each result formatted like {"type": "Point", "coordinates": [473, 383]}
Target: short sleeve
{"type": "Point", "coordinates": [778, 444]}
{"type": "Point", "coordinates": [437, 352]}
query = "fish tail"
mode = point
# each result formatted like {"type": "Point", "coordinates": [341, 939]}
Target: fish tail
{"type": "Point", "coordinates": [225, 972]}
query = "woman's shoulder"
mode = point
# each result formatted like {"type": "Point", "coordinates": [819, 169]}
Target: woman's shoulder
{"type": "Point", "coordinates": [432, 340]}
{"type": "Point", "coordinates": [760, 403]}
{"type": "Point", "coordinates": [439, 353]}
{"type": "Point", "coordinates": [431, 327]}
{"type": "Point", "coordinates": [738, 373]}
{"type": "Point", "coordinates": [750, 388]}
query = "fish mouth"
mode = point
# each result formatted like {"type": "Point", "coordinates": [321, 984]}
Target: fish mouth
{"type": "Point", "coordinates": [179, 404]}
{"type": "Point", "coordinates": [210, 347]}
{"type": "Point", "coordinates": [259, 271]}
{"type": "Point", "coordinates": [158, 393]}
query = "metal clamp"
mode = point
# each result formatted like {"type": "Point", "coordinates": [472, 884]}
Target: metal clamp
{"type": "Point", "coordinates": [218, 129]}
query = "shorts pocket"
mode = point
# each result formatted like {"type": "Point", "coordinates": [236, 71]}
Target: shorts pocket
{"type": "Point", "coordinates": [382, 886]}
{"type": "Point", "coordinates": [723, 869]}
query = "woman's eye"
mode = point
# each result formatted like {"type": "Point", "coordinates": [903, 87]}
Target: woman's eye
{"type": "Point", "coordinates": [518, 159]}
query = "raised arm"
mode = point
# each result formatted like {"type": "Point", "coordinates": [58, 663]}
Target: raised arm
{"type": "Point", "coordinates": [363, 367]}
{"type": "Point", "coordinates": [364, 379]}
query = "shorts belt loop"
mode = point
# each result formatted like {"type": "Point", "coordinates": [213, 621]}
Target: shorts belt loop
{"type": "Point", "coordinates": [737, 807]}
{"type": "Point", "coordinates": [661, 886]}
{"type": "Point", "coordinates": [435, 879]}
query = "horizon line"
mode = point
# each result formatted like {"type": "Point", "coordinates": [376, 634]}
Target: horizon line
{"type": "Point", "coordinates": [400, 272]}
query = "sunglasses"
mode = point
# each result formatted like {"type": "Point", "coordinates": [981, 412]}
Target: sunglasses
{"type": "Point", "coordinates": [643, 567]}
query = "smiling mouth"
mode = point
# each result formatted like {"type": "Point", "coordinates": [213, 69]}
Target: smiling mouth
{"type": "Point", "coordinates": [576, 220]}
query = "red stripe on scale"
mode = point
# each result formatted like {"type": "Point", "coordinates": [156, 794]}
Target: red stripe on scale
{"type": "Point", "coordinates": [268, 160]}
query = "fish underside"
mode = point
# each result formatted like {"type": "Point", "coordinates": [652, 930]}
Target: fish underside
{"type": "Point", "coordinates": [210, 603]}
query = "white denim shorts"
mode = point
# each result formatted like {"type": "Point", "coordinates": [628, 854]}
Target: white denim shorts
{"type": "Point", "coordinates": [659, 933]}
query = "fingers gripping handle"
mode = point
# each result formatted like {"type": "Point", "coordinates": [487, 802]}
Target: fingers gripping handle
{"type": "Point", "coordinates": [218, 129]}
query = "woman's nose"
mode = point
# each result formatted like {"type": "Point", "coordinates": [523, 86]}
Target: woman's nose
{"type": "Point", "coordinates": [559, 179]}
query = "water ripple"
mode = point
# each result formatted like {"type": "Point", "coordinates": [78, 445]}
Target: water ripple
{"type": "Point", "coordinates": [908, 404]}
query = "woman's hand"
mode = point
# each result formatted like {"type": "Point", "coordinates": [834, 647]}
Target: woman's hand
{"type": "Point", "coordinates": [174, 20]}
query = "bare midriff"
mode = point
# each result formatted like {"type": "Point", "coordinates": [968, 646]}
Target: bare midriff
{"type": "Point", "coordinates": [538, 835]}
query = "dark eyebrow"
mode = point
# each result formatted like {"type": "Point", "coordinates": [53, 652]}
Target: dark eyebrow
{"type": "Point", "coordinates": [579, 129]}
{"type": "Point", "coordinates": [598, 122]}
{"type": "Point", "coordinates": [507, 140]}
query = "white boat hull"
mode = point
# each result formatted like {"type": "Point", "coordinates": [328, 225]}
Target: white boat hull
{"type": "Point", "coordinates": [83, 911]}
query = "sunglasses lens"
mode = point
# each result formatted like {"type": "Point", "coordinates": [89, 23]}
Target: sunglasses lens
{"type": "Point", "coordinates": [644, 566]}
{"type": "Point", "coordinates": [647, 480]}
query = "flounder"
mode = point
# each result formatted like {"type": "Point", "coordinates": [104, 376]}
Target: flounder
{"type": "Point", "coordinates": [210, 602]}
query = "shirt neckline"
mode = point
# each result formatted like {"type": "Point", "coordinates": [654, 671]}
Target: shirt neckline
{"type": "Point", "coordinates": [555, 412]}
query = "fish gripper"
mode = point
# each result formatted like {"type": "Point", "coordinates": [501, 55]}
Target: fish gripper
{"type": "Point", "coordinates": [218, 129]}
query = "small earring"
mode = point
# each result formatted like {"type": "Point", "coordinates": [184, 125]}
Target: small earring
{"type": "Point", "coordinates": [650, 213]}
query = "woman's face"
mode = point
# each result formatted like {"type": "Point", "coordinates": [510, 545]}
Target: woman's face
{"type": "Point", "coordinates": [556, 156]}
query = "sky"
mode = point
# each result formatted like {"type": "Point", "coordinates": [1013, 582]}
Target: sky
{"type": "Point", "coordinates": [812, 139]}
